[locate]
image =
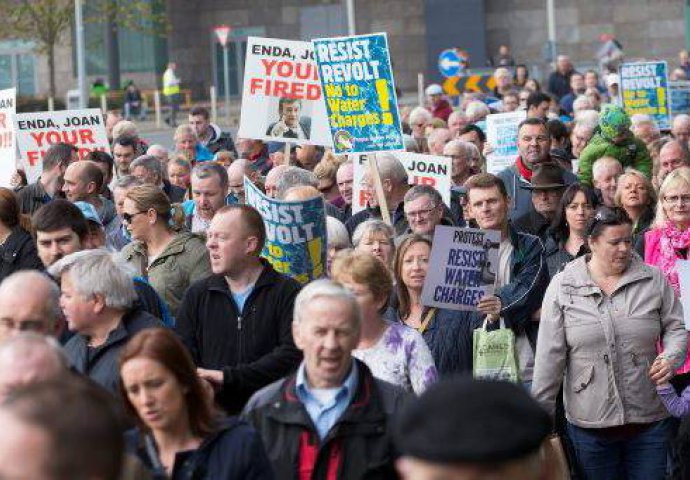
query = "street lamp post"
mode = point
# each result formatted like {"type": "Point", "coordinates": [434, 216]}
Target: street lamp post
{"type": "Point", "coordinates": [81, 59]}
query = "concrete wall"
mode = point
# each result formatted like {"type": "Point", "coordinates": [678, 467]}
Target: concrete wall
{"type": "Point", "coordinates": [646, 28]}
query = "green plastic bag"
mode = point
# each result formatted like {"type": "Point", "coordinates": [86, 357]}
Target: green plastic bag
{"type": "Point", "coordinates": [494, 356]}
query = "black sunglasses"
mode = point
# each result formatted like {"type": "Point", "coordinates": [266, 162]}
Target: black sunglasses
{"type": "Point", "coordinates": [127, 217]}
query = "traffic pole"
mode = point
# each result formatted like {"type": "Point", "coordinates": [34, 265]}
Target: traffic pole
{"type": "Point", "coordinates": [226, 68]}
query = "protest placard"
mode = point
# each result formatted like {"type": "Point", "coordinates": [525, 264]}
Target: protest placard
{"type": "Point", "coordinates": [683, 268]}
{"type": "Point", "coordinates": [359, 93]}
{"type": "Point", "coordinates": [295, 234]}
{"type": "Point", "coordinates": [37, 131]}
{"type": "Point", "coordinates": [502, 134]}
{"type": "Point", "coordinates": [421, 170]}
{"type": "Point", "coordinates": [644, 90]}
{"type": "Point", "coordinates": [462, 267]}
{"type": "Point", "coordinates": [281, 97]}
{"type": "Point", "coordinates": [680, 97]}
{"type": "Point", "coordinates": [8, 147]}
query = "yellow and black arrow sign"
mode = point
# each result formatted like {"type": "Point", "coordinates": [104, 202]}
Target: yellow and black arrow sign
{"type": "Point", "coordinates": [455, 86]}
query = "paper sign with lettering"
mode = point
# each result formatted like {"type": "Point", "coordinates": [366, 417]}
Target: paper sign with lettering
{"type": "Point", "coordinates": [37, 131]}
{"type": "Point", "coordinates": [281, 97]}
{"type": "Point", "coordinates": [502, 134]}
{"type": "Point", "coordinates": [359, 92]}
{"type": "Point", "coordinates": [421, 170]}
{"type": "Point", "coordinates": [644, 90]}
{"type": "Point", "coordinates": [8, 147]}
{"type": "Point", "coordinates": [462, 267]}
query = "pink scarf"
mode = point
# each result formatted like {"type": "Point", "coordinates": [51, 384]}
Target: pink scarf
{"type": "Point", "coordinates": [672, 240]}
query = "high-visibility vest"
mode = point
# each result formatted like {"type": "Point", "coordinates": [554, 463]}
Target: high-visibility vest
{"type": "Point", "coordinates": [171, 84]}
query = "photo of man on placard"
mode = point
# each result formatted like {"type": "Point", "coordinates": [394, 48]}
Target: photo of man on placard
{"type": "Point", "coordinates": [292, 123]}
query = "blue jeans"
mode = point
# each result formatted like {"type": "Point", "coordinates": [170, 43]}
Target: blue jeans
{"type": "Point", "coordinates": [642, 457]}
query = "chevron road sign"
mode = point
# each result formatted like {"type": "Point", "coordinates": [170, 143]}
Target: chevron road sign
{"type": "Point", "coordinates": [455, 86]}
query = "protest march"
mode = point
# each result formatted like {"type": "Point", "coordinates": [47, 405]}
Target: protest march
{"type": "Point", "coordinates": [342, 277]}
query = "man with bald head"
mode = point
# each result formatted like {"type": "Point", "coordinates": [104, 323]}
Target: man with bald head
{"type": "Point", "coordinates": [437, 140]}
{"type": "Point", "coordinates": [674, 154]}
{"type": "Point", "coordinates": [344, 178]}
{"type": "Point", "coordinates": [29, 358]}
{"type": "Point", "coordinates": [456, 122]}
{"type": "Point", "coordinates": [29, 302]}
{"type": "Point", "coordinates": [680, 128]}
{"type": "Point", "coordinates": [272, 179]}
{"type": "Point", "coordinates": [236, 173]}
{"type": "Point", "coordinates": [84, 183]}
{"type": "Point", "coordinates": [161, 153]}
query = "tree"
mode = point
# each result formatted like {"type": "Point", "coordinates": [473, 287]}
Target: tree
{"type": "Point", "coordinates": [50, 22]}
{"type": "Point", "coordinates": [47, 22]}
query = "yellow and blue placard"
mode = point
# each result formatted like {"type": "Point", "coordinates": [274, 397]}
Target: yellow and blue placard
{"type": "Point", "coordinates": [359, 92]}
{"type": "Point", "coordinates": [295, 234]}
{"type": "Point", "coordinates": [644, 90]}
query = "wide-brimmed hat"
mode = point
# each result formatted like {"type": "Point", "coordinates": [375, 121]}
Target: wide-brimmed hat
{"type": "Point", "coordinates": [547, 176]}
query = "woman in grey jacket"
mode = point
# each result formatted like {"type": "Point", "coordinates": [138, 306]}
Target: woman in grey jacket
{"type": "Point", "coordinates": [600, 320]}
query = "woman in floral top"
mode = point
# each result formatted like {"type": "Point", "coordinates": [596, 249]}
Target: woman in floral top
{"type": "Point", "coordinates": [394, 352]}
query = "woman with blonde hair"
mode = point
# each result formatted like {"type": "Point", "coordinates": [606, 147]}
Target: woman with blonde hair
{"type": "Point", "coordinates": [635, 194]}
{"type": "Point", "coordinates": [187, 144]}
{"type": "Point", "coordinates": [393, 352]}
{"type": "Point", "coordinates": [668, 240]}
{"type": "Point", "coordinates": [375, 237]}
{"type": "Point", "coordinates": [170, 259]}
{"type": "Point", "coordinates": [326, 171]}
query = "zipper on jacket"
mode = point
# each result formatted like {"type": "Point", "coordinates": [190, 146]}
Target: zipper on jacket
{"type": "Point", "coordinates": [239, 322]}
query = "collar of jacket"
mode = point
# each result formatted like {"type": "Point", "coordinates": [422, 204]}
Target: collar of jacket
{"type": "Point", "coordinates": [175, 247]}
{"type": "Point", "coordinates": [576, 276]}
{"type": "Point", "coordinates": [17, 239]}
{"type": "Point", "coordinates": [268, 277]}
{"type": "Point", "coordinates": [398, 212]}
{"type": "Point", "coordinates": [366, 408]}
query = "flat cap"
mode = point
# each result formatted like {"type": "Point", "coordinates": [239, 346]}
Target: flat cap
{"type": "Point", "coordinates": [472, 421]}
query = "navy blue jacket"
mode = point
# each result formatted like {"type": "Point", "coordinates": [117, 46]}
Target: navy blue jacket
{"type": "Point", "coordinates": [528, 281]}
{"type": "Point", "coordinates": [233, 451]}
{"type": "Point", "coordinates": [449, 337]}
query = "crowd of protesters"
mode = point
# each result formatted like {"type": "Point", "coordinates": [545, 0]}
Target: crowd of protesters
{"type": "Point", "coordinates": [143, 335]}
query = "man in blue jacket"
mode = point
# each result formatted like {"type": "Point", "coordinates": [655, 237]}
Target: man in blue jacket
{"type": "Point", "coordinates": [522, 276]}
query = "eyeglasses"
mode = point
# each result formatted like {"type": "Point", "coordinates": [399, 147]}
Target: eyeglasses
{"type": "Point", "coordinates": [127, 217]}
{"type": "Point", "coordinates": [677, 199]}
{"type": "Point", "coordinates": [420, 213]}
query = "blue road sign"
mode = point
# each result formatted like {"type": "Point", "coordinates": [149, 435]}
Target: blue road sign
{"type": "Point", "coordinates": [450, 63]}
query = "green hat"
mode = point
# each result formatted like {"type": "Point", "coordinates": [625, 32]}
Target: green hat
{"type": "Point", "coordinates": [613, 121]}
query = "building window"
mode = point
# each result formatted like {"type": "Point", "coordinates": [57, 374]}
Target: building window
{"type": "Point", "coordinates": [18, 67]}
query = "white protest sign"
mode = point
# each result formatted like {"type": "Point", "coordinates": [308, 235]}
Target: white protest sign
{"type": "Point", "coordinates": [282, 97]}
{"type": "Point", "coordinates": [421, 170]}
{"type": "Point", "coordinates": [462, 267]}
{"type": "Point", "coordinates": [683, 268]}
{"type": "Point", "coordinates": [502, 133]}
{"type": "Point", "coordinates": [8, 147]}
{"type": "Point", "coordinates": [37, 131]}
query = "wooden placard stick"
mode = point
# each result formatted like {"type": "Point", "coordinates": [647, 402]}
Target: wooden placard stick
{"type": "Point", "coordinates": [378, 186]}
